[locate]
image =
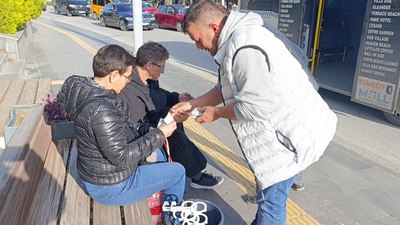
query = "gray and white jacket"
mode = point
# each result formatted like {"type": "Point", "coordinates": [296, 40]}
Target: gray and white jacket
{"type": "Point", "coordinates": [283, 123]}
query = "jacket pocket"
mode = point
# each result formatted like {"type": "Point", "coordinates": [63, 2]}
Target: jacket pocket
{"type": "Point", "coordinates": [285, 141]}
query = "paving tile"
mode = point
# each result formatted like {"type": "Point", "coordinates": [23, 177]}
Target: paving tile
{"type": "Point", "coordinates": [350, 202]}
{"type": "Point", "coordinates": [349, 160]}
{"type": "Point", "coordinates": [360, 209]}
{"type": "Point", "coordinates": [387, 220]}
{"type": "Point", "coordinates": [345, 178]}
{"type": "Point", "coordinates": [381, 177]}
{"type": "Point", "coordinates": [312, 174]}
{"type": "Point", "coordinates": [383, 199]}
{"type": "Point", "coordinates": [331, 214]}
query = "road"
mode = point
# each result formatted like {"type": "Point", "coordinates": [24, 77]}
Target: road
{"type": "Point", "coordinates": [363, 134]}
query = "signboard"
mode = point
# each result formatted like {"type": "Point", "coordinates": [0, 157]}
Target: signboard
{"type": "Point", "coordinates": [291, 19]}
{"type": "Point", "coordinates": [377, 80]}
{"type": "Point", "coordinates": [285, 15]}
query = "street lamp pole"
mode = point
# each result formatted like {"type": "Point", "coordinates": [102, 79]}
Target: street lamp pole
{"type": "Point", "coordinates": [137, 24]}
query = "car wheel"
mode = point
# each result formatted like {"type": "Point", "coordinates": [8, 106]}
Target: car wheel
{"type": "Point", "coordinates": [69, 13]}
{"type": "Point", "coordinates": [179, 26]}
{"type": "Point", "coordinates": [94, 16]}
{"type": "Point", "coordinates": [122, 25]}
{"type": "Point", "coordinates": [103, 22]}
{"type": "Point", "coordinates": [393, 118]}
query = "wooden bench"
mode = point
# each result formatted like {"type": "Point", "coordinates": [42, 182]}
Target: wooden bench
{"type": "Point", "coordinates": [38, 183]}
{"type": "Point", "coordinates": [20, 92]}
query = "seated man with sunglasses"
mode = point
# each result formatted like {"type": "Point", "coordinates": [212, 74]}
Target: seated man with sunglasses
{"type": "Point", "coordinates": [148, 103]}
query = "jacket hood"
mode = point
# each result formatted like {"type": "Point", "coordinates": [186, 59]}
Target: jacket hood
{"type": "Point", "coordinates": [78, 91]}
{"type": "Point", "coordinates": [235, 20]}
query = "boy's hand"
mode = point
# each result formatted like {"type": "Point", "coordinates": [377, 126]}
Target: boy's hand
{"type": "Point", "coordinates": [181, 107]}
{"type": "Point", "coordinates": [185, 97]}
{"type": "Point", "coordinates": [181, 117]}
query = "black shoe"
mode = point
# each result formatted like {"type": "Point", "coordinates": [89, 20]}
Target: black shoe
{"type": "Point", "coordinates": [250, 199]}
{"type": "Point", "coordinates": [206, 181]}
{"type": "Point", "coordinates": [297, 187]}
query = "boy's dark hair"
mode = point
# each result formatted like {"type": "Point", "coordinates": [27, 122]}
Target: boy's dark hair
{"type": "Point", "coordinates": [110, 58]}
{"type": "Point", "coordinates": [151, 52]}
{"type": "Point", "coordinates": [202, 9]}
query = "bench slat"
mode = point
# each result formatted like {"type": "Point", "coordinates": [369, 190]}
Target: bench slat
{"type": "Point", "coordinates": [25, 156]}
{"type": "Point", "coordinates": [42, 89]}
{"type": "Point", "coordinates": [75, 204]}
{"type": "Point", "coordinates": [51, 185]}
{"type": "Point", "coordinates": [4, 85]}
{"type": "Point", "coordinates": [138, 214]}
{"type": "Point", "coordinates": [28, 92]}
{"type": "Point", "coordinates": [103, 214]}
{"type": "Point", "coordinates": [10, 98]}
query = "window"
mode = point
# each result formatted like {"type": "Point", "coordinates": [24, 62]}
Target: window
{"type": "Point", "coordinates": [146, 5]}
{"type": "Point", "coordinates": [171, 10]}
{"type": "Point", "coordinates": [163, 8]}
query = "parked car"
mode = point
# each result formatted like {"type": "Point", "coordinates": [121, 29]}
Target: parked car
{"type": "Point", "coordinates": [72, 7]}
{"type": "Point", "coordinates": [120, 15]}
{"type": "Point", "coordinates": [146, 6]}
{"type": "Point", "coordinates": [171, 16]}
{"type": "Point", "coordinates": [97, 5]}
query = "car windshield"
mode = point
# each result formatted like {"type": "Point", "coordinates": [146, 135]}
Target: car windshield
{"type": "Point", "coordinates": [178, 8]}
{"type": "Point", "coordinates": [183, 10]}
{"type": "Point", "coordinates": [146, 5]}
{"type": "Point", "coordinates": [125, 7]}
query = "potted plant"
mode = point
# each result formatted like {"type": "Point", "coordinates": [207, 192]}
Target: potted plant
{"type": "Point", "coordinates": [62, 126]}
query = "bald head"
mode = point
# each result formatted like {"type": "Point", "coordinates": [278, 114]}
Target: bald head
{"type": "Point", "coordinates": [204, 11]}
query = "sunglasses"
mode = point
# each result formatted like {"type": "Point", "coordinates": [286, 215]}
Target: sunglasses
{"type": "Point", "coordinates": [162, 68]}
{"type": "Point", "coordinates": [129, 78]}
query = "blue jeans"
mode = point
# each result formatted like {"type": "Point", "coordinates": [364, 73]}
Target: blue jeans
{"type": "Point", "coordinates": [145, 181]}
{"type": "Point", "coordinates": [272, 203]}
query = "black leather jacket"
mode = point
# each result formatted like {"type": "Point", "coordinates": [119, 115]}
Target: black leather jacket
{"type": "Point", "coordinates": [110, 145]}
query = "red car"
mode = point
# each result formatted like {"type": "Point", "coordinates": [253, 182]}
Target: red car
{"type": "Point", "coordinates": [170, 16]}
{"type": "Point", "coordinates": [148, 7]}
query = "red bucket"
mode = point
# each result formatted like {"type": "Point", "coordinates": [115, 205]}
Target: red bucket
{"type": "Point", "coordinates": [155, 206]}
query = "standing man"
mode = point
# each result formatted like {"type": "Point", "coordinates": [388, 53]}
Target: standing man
{"type": "Point", "coordinates": [281, 122]}
{"type": "Point", "coordinates": [148, 103]}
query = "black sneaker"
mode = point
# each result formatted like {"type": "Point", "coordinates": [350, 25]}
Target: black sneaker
{"type": "Point", "coordinates": [206, 181]}
{"type": "Point", "coordinates": [250, 199]}
{"type": "Point", "coordinates": [297, 187]}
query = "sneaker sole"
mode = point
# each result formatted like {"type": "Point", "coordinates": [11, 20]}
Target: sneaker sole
{"type": "Point", "coordinates": [198, 186]}
{"type": "Point", "coordinates": [298, 188]}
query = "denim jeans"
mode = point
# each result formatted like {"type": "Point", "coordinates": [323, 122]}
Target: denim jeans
{"type": "Point", "coordinates": [145, 181]}
{"type": "Point", "coordinates": [272, 203]}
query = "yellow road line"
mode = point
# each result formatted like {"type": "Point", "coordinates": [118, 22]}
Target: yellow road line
{"type": "Point", "coordinates": [75, 38]}
{"type": "Point", "coordinates": [233, 166]}
{"type": "Point", "coordinates": [227, 160]}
